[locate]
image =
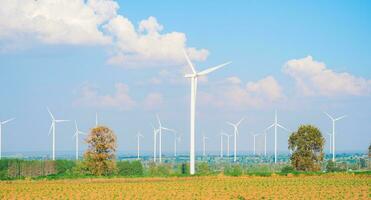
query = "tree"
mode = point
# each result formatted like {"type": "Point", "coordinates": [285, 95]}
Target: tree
{"type": "Point", "coordinates": [369, 156]}
{"type": "Point", "coordinates": [307, 147]}
{"type": "Point", "coordinates": [100, 158]}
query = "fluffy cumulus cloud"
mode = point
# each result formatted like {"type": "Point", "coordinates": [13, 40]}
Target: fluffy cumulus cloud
{"type": "Point", "coordinates": [120, 99]}
{"type": "Point", "coordinates": [93, 22]}
{"type": "Point", "coordinates": [232, 93]}
{"type": "Point", "coordinates": [314, 78]}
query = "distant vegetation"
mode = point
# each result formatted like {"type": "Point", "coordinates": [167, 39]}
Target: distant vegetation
{"type": "Point", "coordinates": [100, 160]}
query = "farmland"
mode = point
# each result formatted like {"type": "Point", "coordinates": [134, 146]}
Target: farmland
{"type": "Point", "coordinates": [327, 186]}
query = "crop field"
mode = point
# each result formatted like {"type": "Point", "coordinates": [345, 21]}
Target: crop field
{"type": "Point", "coordinates": [212, 187]}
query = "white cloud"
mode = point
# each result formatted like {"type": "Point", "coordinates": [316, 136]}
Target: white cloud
{"type": "Point", "coordinates": [134, 48]}
{"type": "Point", "coordinates": [314, 78]}
{"type": "Point", "coordinates": [233, 94]}
{"type": "Point", "coordinates": [153, 101]}
{"type": "Point", "coordinates": [121, 99]}
{"type": "Point", "coordinates": [88, 96]}
{"type": "Point", "coordinates": [93, 22]}
{"type": "Point", "coordinates": [56, 22]}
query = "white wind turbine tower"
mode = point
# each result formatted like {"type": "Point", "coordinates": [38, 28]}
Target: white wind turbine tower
{"type": "Point", "coordinates": [228, 136]}
{"type": "Point", "coordinates": [138, 144]}
{"type": "Point", "coordinates": [254, 143]}
{"type": "Point", "coordinates": [265, 143]}
{"type": "Point", "coordinates": [221, 145]}
{"type": "Point", "coordinates": [193, 78]}
{"type": "Point", "coordinates": [204, 138]}
{"type": "Point", "coordinates": [176, 140]}
{"type": "Point", "coordinates": [76, 135]}
{"type": "Point", "coordinates": [160, 136]}
{"type": "Point", "coordinates": [275, 125]}
{"type": "Point", "coordinates": [155, 132]}
{"type": "Point", "coordinates": [330, 146]}
{"type": "Point", "coordinates": [333, 133]}
{"type": "Point", "coordinates": [1, 126]}
{"type": "Point", "coordinates": [52, 129]}
{"type": "Point", "coordinates": [235, 126]}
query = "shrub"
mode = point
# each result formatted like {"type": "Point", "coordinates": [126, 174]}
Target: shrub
{"type": "Point", "coordinates": [203, 169]}
{"type": "Point", "coordinates": [235, 170]}
{"type": "Point", "coordinates": [126, 168]}
{"type": "Point", "coordinates": [64, 165]}
{"type": "Point", "coordinates": [287, 169]}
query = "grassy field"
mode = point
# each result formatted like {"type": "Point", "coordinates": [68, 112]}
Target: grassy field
{"type": "Point", "coordinates": [331, 186]}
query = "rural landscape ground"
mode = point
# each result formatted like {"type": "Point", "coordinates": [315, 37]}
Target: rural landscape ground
{"type": "Point", "coordinates": [329, 186]}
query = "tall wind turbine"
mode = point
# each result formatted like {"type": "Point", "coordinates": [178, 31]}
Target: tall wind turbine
{"type": "Point", "coordinates": [275, 125]}
{"type": "Point", "coordinates": [138, 144]}
{"type": "Point", "coordinates": [76, 135]}
{"type": "Point", "coordinates": [228, 154]}
{"type": "Point", "coordinates": [204, 138]}
{"type": "Point", "coordinates": [1, 124]}
{"type": "Point", "coordinates": [235, 126]}
{"type": "Point", "coordinates": [265, 143]}
{"type": "Point", "coordinates": [155, 132]}
{"type": "Point", "coordinates": [52, 129]}
{"type": "Point", "coordinates": [160, 128]}
{"type": "Point", "coordinates": [194, 76]}
{"type": "Point", "coordinates": [333, 133]}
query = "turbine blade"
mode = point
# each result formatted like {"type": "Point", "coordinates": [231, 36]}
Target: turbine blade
{"type": "Point", "coordinates": [189, 62]}
{"type": "Point", "coordinates": [61, 120]}
{"type": "Point", "coordinates": [158, 119]}
{"type": "Point", "coordinates": [77, 129]}
{"type": "Point", "coordinates": [339, 118]}
{"type": "Point", "coordinates": [269, 127]}
{"type": "Point", "coordinates": [238, 123]}
{"type": "Point", "coordinates": [209, 70]}
{"type": "Point", "coordinates": [6, 121]}
{"type": "Point", "coordinates": [230, 123]}
{"type": "Point", "coordinates": [50, 113]}
{"type": "Point", "coordinates": [50, 129]}
{"type": "Point", "coordinates": [169, 129]}
{"type": "Point", "coordinates": [328, 115]}
{"type": "Point", "coordinates": [283, 127]}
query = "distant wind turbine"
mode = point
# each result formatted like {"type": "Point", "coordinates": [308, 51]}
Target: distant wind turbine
{"type": "Point", "coordinates": [228, 152]}
{"type": "Point", "coordinates": [221, 145]}
{"type": "Point", "coordinates": [275, 125]}
{"type": "Point", "coordinates": [52, 129]}
{"type": "Point", "coordinates": [333, 132]}
{"type": "Point", "coordinates": [160, 128]}
{"type": "Point", "coordinates": [176, 140]}
{"type": "Point", "coordinates": [194, 76]}
{"type": "Point", "coordinates": [96, 119]}
{"type": "Point", "coordinates": [236, 133]}
{"type": "Point", "coordinates": [155, 132]}
{"type": "Point", "coordinates": [138, 144]}
{"type": "Point", "coordinates": [1, 126]}
{"type": "Point", "coordinates": [76, 135]}
{"type": "Point", "coordinates": [265, 143]}
{"type": "Point", "coordinates": [254, 143]}
{"type": "Point", "coordinates": [204, 138]}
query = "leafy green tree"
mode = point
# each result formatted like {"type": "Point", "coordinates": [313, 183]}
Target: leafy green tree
{"type": "Point", "coordinates": [331, 167]}
{"type": "Point", "coordinates": [100, 158]}
{"type": "Point", "coordinates": [307, 147]}
{"type": "Point", "coordinates": [126, 168]}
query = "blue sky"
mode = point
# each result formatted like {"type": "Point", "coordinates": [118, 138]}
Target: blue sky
{"type": "Point", "coordinates": [301, 58]}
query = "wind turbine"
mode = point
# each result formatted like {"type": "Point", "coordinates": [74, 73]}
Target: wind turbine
{"type": "Point", "coordinates": [1, 124]}
{"type": "Point", "coordinates": [330, 146]}
{"type": "Point", "coordinates": [228, 154]}
{"type": "Point", "coordinates": [138, 144]}
{"type": "Point", "coordinates": [194, 76]}
{"type": "Point", "coordinates": [204, 138]}
{"type": "Point", "coordinates": [254, 143]}
{"type": "Point", "coordinates": [265, 143]}
{"type": "Point", "coordinates": [52, 129]}
{"type": "Point", "coordinates": [160, 136]}
{"type": "Point", "coordinates": [275, 125]}
{"type": "Point", "coordinates": [333, 133]}
{"type": "Point", "coordinates": [235, 126]}
{"type": "Point", "coordinates": [155, 132]}
{"type": "Point", "coordinates": [76, 135]}
{"type": "Point", "coordinates": [176, 140]}
{"type": "Point", "coordinates": [221, 145]}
